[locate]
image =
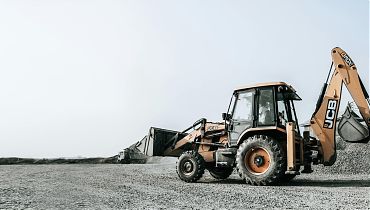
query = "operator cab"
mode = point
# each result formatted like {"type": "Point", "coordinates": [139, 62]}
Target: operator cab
{"type": "Point", "coordinates": [265, 106]}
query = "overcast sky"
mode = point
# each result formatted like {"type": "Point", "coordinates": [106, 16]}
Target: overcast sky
{"type": "Point", "coordinates": [88, 78]}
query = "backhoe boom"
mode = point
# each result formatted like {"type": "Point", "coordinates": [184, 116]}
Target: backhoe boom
{"type": "Point", "coordinates": [323, 121]}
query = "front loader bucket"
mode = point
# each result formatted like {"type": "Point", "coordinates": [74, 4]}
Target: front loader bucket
{"type": "Point", "coordinates": [350, 128]}
{"type": "Point", "coordinates": [158, 141]}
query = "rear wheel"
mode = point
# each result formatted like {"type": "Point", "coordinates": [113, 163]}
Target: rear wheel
{"type": "Point", "coordinates": [220, 173]}
{"type": "Point", "coordinates": [190, 166]}
{"type": "Point", "coordinates": [261, 160]}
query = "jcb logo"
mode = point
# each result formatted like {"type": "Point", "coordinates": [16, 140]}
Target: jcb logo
{"type": "Point", "coordinates": [330, 114]}
{"type": "Point", "coordinates": [347, 59]}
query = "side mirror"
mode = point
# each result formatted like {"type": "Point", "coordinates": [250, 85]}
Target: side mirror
{"type": "Point", "coordinates": [226, 116]}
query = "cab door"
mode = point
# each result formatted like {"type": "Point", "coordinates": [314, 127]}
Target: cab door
{"type": "Point", "coordinates": [242, 114]}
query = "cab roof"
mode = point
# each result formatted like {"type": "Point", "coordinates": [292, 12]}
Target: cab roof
{"type": "Point", "coordinates": [290, 93]}
{"type": "Point", "coordinates": [265, 84]}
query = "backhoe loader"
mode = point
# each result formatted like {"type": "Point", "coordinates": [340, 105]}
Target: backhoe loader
{"type": "Point", "coordinates": [260, 135]}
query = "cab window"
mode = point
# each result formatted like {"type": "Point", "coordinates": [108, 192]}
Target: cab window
{"type": "Point", "coordinates": [243, 107]}
{"type": "Point", "coordinates": [282, 113]}
{"type": "Point", "coordinates": [266, 108]}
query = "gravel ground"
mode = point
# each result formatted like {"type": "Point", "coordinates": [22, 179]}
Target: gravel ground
{"type": "Point", "coordinates": [154, 186]}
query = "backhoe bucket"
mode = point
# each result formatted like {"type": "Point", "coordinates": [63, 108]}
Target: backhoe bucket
{"type": "Point", "coordinates": [350, 128]}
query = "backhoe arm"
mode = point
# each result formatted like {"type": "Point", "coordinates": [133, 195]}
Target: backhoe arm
{"type": "Point", "coordinates": [323, 121]}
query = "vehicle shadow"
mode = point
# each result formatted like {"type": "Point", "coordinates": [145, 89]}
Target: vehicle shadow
{"type": "Point", "coordinates": [304, 182]}
{"type": "Point", "coordinates": [329, 183]}
{"type": "Point", "coordinates": [222, 181]}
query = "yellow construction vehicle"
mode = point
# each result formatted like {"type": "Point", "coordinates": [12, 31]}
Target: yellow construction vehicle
{"type": "Point", "coordinates": [260, 135]}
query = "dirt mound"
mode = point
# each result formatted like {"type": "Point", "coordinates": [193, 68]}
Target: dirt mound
{"type": "Point", "coordinates": [354, 159]}
{"type": "Point", "coordinates": [16, 160]}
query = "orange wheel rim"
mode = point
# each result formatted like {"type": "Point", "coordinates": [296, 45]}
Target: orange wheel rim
{"type": "Point", "coordinates": [257, 160]}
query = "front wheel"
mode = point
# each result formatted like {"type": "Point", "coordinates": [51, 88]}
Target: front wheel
{"type": "Point", "coordinates": [190, 166]}
{"type": "Point", "coordinates": [260, 160]}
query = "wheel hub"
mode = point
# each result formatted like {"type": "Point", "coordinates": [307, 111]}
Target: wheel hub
{"type": "Point", "coordinates": [257, 160]}
{"type": "Point", "coordinates": [188, 167]}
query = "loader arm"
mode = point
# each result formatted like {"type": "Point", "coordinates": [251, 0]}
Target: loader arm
{"type": "Point", "coordinates": [323, 121]}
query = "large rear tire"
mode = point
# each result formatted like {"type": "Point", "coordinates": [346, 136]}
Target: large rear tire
{"type": "Point", "coordinates": [190, 166]}
{"type": "Point", "coordinates": [261, 160]}
{"type": "Point", "coordinates": [220, 173]}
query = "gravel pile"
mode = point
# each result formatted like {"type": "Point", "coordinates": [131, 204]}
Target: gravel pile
{"type": "Point", "coordinates": [18, 161]}
{"type": "Point", "coordinates": [354, 159]}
